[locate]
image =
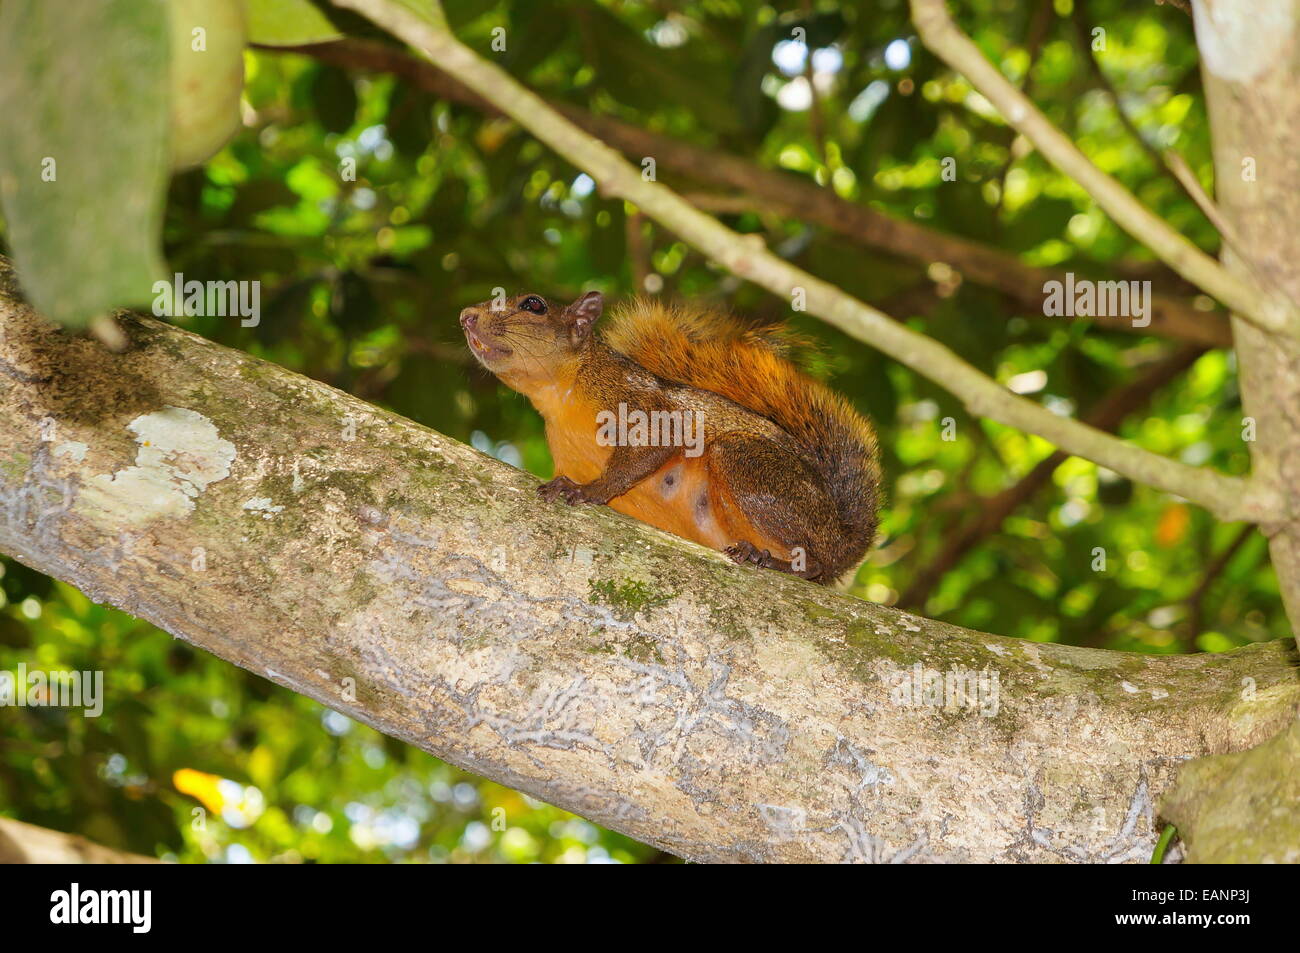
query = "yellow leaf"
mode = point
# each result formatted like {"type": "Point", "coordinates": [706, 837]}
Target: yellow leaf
{"type": "Point", "coordinates": [203, 787]}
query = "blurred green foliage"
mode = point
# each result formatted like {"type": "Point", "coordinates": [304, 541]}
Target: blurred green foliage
{"type": "Point", "coordinates": [362, 281]}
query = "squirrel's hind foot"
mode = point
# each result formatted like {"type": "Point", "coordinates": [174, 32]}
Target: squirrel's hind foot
{"type": "Point", "coordinates": [747, 554]}
{"type": "Point", "coordinates": [562, 488]}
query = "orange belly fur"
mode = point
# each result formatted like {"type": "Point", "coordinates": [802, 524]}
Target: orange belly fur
{"type": "Point", "coordinates": [579, 457]}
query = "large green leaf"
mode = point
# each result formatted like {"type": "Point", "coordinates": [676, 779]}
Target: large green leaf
{"type": "Point", "coordinates": [301, 22]}
{"type": "Point", "coordinates": [335, 99]}
{"type": "Point", "coordinates": [84, 150]}
{"type": "Point", "coordinates": [289, 22]}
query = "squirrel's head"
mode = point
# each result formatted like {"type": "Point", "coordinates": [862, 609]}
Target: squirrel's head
{"type": "Point", "coordinates": [528, 335]}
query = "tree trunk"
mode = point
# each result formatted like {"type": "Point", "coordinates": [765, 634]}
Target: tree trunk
{"type": "Point", "coordinates": [1250, 63]}
{"type": "Point", "coordinates": [718, 712]}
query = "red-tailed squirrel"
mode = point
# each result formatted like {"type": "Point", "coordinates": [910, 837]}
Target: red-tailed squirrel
{"type": "Point", "coordinates": [693, 422]}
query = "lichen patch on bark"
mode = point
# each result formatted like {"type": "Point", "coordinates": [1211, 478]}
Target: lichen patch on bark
{"type": "Point", "coordinates": [180, 454]}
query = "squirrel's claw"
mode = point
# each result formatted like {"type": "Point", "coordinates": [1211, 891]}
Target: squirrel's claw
{"type": "Point", "coordinates": [745, 552]}
{"type": "Point", "coordinates": [562, 488]}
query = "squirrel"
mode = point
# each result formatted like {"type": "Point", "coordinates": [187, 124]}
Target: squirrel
{"type": "Point", "coordinates": [691, 421]}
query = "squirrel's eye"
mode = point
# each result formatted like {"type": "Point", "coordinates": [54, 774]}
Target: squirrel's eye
{"type": "Point", "coordinates": [534, 304]}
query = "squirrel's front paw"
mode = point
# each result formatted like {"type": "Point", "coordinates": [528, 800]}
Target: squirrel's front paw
{"type": "Point", "coordinates": [562, 488]}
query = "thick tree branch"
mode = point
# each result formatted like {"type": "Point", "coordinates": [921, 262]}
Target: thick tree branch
{"type": "Point", "coordinates": [946, 41]}
{"type": "Point", "coordinates": [1250, 71]}
{"type": "Point", "coordinates": [791, 196]}
{"type": "Point", "coordinates": [718, 712]}
{"type": "Point", "coordinates": [26, 844]}
{"type": "Point", "coordinates": [1229, 498]}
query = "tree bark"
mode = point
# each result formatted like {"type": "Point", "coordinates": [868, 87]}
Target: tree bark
{"type": "Point", "coordinates": [718, 712]}
{"type": "Point", "coordinates": [26, 844]}
{"type": "Point", "coordinates": [1244, 807]}
{"type": "Point", "coordinates": [1250, 62]}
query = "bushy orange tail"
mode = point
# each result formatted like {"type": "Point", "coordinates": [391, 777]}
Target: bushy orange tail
{"type": "Point", "coordinates": [748, 364]}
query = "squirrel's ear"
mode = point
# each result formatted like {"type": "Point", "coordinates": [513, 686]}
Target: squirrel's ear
{"type": "Point", "coordinates": [583, 314]}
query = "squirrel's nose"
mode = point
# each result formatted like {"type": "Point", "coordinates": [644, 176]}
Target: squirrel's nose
{"type": "Point", "coordinates": [468, 318]}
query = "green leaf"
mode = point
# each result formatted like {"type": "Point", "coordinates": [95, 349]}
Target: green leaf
{"type": "Point", "coordinates": [288, 23]}
{"type": "Point", "coordinates": [335, 99]}
{"type": "Point", "coordinates": [410, 121]}
{"type": "Point", "coordinates": [84, 152]}
{"type": "Point", "coordinates": [426, 10]}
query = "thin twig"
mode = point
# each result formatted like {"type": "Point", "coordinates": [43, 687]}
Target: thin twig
{"type": "Point", "coordinates": [1212, 572]}
{"type": "Point", "coordinates": [816, 122]}
{"type": "Point", "coordinates": [637, 252]}
{"type": "Point", "coordinates": [1035, 35]}
{"type": "Point", "coordinates": [946, 41]}
{"type": "Point", "coordinates": [1083, 28]}
{"type": "Point", "coordinates": [1192, 186]}
{"type": "Point", "coordinates": [1168, 161]}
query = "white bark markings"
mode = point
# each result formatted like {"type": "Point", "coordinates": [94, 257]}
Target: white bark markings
{"type": "Point", "coordinates": [180, 454]}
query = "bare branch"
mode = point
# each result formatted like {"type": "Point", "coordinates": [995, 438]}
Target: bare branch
{"type": "Point", "coordinates": [1187, 179]}
{"type": "Point", "coordinates": [947, 42]}
{"type": "Point", "coordinates": [1229, 498]}
{"type": "Point", "coordinates": [1083, 27]}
